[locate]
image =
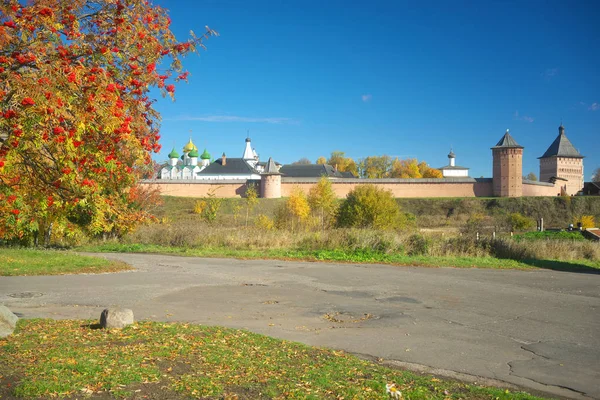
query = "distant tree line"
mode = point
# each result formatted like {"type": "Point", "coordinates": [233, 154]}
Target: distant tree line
{"type": "Point", "coordinates": [377, 166]}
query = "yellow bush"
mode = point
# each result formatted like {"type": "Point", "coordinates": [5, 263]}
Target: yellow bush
{"type": "Point", "coordinates": [587, 221]}
{"type": "Point", "coordinates": [519, 222]}
{"type": "Point", "coordinates": [264, 222]}
{"type": "Point", "coordinates": [297, 204]}
{"type": "Point", "coordinates": [199, 206]}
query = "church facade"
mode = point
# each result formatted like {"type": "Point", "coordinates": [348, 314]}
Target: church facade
{"type": "Point", "coordinates": [452, 170]}
{"type": "Point", "coordinates": [195, 167]}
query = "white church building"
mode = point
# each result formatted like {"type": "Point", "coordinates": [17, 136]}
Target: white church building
{"type": "Point", "coordinates": [191, 166]}
{"type": "Point", "coordinates": [452, 170]}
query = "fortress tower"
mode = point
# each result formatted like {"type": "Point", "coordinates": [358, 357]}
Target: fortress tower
{"type": "Point", "coordinates": [508, 167]}
{"type": "Point", "coordinates": [562, 161]}
{"type": "Point", "coordinates": [270, 181]}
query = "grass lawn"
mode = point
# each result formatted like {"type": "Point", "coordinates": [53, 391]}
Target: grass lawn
{"type": "Point", "coordinates": [352, 257]}
{"type": "Point", "coordinates": [21, 262]}
{"type": "Point", "coordinates": [46, 358]}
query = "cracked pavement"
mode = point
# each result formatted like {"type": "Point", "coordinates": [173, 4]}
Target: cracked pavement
{"type": "Point", "coordinates": [538, 330]}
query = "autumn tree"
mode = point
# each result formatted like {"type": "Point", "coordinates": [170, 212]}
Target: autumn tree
{"type": "Point", "coordinates": [408, 168]}
{"type": "Point", "coordinates": [294, 212]}
{"type": "Point", "coordinates": [321, 160]}
{"type": "Point", "coordinates": [342, 163]}
{"type": "Point", "coordinates": [322, 199]}
{"type": "Point", "coordinates": [411, 168]}
{"type": "Point", "coordinates": [428, 172]}
{"type": "Point", "coordinates": [298, 207]}
{"type": "Point", "coordinates": [375, 167]}
{"type": "Point", "coordinates": [251, 200]}
{"type": "Point", "coordinates": [77, 125]}
{"type": "Point", "coordinates": [211, 207]}
{"type": "Point", "coordinates": [302, 161]}
{"type": "Point", "coordinates": [531, 176]}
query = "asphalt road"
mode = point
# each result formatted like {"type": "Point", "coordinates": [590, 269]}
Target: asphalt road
{"type": "Point", "coordinates": [534, 329]}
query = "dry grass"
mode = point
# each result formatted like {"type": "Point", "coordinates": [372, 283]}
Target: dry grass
{"type": "Point", "coordinates": [566, 250]}
{"type": "Point", "coordinates": [197, 234]}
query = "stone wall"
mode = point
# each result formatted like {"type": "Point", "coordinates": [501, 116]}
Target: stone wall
{"type": "Point", "coordinates": [444, 187]}
{"type": "Point", "coordinates": [194, 188]}
{"type": "Point", "coordinates": [533, 188]}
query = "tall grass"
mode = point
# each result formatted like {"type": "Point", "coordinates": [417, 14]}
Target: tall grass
{"type": "Point", "coordinates": [194, 234]}
{"type": "Point", "coordinates": [460, 220]}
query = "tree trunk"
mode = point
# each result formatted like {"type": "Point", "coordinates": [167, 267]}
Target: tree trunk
{"type": "Point", "coordinates": [48, 234]}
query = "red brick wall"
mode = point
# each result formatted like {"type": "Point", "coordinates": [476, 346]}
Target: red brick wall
{"type": "Point", "coordinates": [404, 189]}
{"type": "Point", "coordinates": [225, 189]}
{"type": "Point", "coordinates": [539, 190]}
{"type": "Point", "coordinates": [237, 188]}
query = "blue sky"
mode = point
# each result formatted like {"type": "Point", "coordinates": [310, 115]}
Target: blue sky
{"type": "Point", "coordinates": [306, 78]}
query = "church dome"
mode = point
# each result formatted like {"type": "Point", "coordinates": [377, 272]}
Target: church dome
{"type": "Point", "coordinates": [173, 154]}
{"type": "Point", "coordinates": [189, 147]}
{"type": "Point", "coordinates": [205, 155]}
{"type": "Point", "coordinates": [193, 153]}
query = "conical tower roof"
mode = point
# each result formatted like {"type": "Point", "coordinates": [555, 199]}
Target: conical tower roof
{"type": "Point", "coordinates": [507, 141]}
{"type": "Point", "coordinates": [271, 168]}
{"type": "Point", "coordinates": [561, 147]}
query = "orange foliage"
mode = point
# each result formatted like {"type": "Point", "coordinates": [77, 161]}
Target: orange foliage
{"type": "Point", "coordinates": [77, 127]}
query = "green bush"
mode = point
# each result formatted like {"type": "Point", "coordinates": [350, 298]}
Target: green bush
{"type": "Point", "coordinates": [548, 235]}
{"type": "Point", "coordinates": [368, 206]}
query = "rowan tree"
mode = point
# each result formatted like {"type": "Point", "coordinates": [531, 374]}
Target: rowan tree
{"type": "Point", "coordinates": [77, 125]}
